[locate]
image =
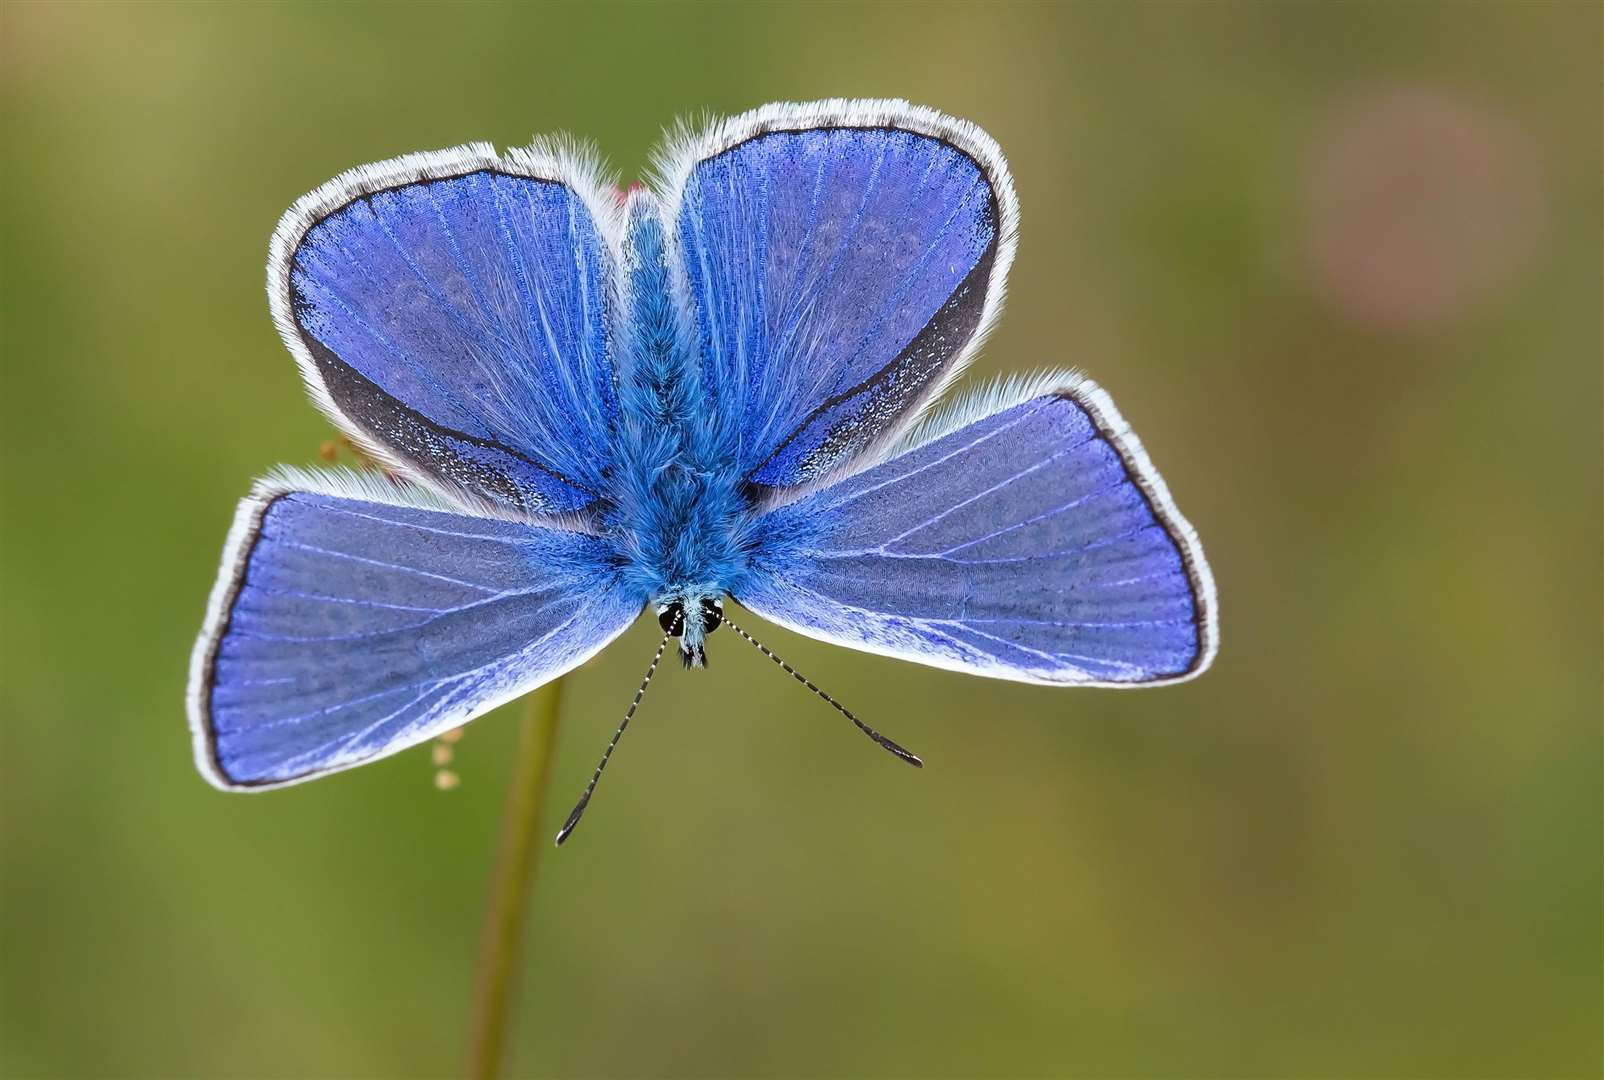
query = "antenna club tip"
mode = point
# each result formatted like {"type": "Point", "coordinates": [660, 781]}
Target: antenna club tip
{"type": "Point", "coordinates": [906, 755]}
{"type": "Point", "coordinates": [573, 822]}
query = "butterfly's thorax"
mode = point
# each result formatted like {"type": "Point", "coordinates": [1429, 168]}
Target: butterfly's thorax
{"type": "Point", "coordinates": [678, 505]}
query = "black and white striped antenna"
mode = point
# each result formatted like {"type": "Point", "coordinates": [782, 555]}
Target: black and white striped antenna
{"type": "Point", "coordinates": [584, 800]}
{"type": "Point", "coordinates": [906, 755]}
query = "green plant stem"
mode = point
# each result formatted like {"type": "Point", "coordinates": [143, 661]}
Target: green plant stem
{"type": "Point", "coordinates": [508, 903]}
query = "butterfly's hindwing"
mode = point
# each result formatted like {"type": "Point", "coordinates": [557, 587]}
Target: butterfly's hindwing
{"type": "Point", "coordinates": [452, 311]}
{"type": "Point", "coordinates": [843, 260]}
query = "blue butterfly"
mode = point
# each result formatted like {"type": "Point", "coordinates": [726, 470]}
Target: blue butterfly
{"type": "Point", "coordinates": [591, 404]}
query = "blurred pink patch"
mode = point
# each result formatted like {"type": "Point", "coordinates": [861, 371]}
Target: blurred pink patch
{"type": "Point", "coordinates": [1419, 205]}
{"type": "Point", "coordinates": [622, 194]}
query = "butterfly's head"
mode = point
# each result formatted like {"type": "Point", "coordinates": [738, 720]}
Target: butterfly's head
{"type": "Point", "coordinates": [691, 618]}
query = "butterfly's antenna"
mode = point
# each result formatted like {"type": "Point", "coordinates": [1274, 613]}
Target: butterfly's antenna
{"type": "Point", "coordinates": [905, 755]}
{"type": "Point", "coordinates": [590, 788]}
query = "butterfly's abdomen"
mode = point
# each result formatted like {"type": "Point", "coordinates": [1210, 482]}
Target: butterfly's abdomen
{"type": "Point", "coordinates": [680, 512]}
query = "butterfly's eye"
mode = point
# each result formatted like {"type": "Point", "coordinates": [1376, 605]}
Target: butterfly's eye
{"type": "Point", "coordinates": [712, 614]}
{"type": "Point", "coordinates": [671, 617]}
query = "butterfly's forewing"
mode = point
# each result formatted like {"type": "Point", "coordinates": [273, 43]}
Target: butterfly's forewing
{"type": "Point", "coordinates": [450, 311]}
{"type": "Point", "coordinates": [347, 624]}
{"type": "Point", "coordinates": [843, 259]}
{"type": "Point", "coordinates": [1034, 543]}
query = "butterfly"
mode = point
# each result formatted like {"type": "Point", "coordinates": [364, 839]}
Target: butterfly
{"type": "Point", "coordinates": [589, 405]}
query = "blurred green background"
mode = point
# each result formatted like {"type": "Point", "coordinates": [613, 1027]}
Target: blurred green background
{"type": "Point", "coordinates": [1340, 265]}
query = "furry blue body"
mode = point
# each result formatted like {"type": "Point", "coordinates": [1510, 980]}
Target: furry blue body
{"type": "Point", "coordinates": [679, 513]}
